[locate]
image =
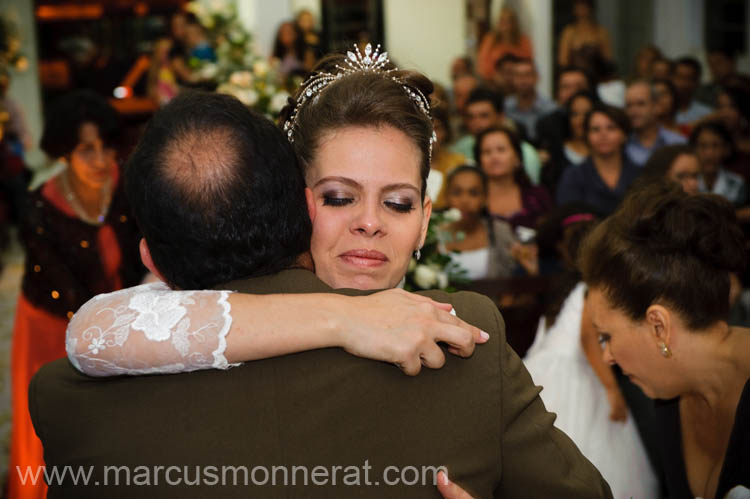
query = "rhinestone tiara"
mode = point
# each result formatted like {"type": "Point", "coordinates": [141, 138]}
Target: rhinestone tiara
{"type": "Point", "coordinates": [373, 61]}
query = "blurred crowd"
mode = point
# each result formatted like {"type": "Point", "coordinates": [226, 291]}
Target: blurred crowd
{"type": "Point", "coordinates": [177, 58]}
{"type": "Point", "coordinates": [535, 155]}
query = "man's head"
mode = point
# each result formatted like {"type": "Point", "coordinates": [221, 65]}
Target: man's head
{"type": "Point", "coordinates": [462, 87]}
{"type": "Point", "coordinates": [571, 80]}
{"type": "Point", "coordinates": [639, 105]}
{"type": "Point", "coordinates": [722, 63]}
{"type": "Point", "coordinates": [461, 66]}
{"type": "Point", "coordinates": [525, 78]}
{"type": "Point", "coordinates": [217, 193]}
{"type": "Point", "coordinates": [661, 68]}
{"type": "Point", "coordinates": [502, 77]}
{"type": "Point", "coordinates": [484, 109]}
{"type": "Point", "coordinates": [194, 32]}
{"type": "Point", "coordinates": [686, 78]}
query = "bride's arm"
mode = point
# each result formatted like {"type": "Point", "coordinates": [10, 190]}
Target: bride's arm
{"type": "Point", "coordinates": [593, 352]}
{"type": "Point", "coordinates": [153, 329]}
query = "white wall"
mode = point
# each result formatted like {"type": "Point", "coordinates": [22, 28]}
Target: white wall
{"type": "Point", "coordinates": [678, 27]}
{"type": "Point", "coordinates": [24, 87]}
{"type": "Point", "coordinates": [426, 35]}
{"type": "Point", "coordinates": [311, 5]}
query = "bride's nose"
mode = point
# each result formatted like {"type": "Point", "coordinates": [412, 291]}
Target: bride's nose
{"type": "Point", "coordinates": [368, 221]}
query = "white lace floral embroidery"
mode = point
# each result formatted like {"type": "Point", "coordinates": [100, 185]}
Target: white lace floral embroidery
{"type": "Point", "coordinates": [157, 314]}
{"type": "Point", "coordinates": [150, 329]}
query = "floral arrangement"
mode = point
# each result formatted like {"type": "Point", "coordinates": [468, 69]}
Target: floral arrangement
{"type": "Point", "coordinates": [435, 269]}
{"type": "Point", "coordinates": [238, 70]}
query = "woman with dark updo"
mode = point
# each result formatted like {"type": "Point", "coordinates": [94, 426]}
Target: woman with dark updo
{"type": "Point", "coordinates": [658, 282]}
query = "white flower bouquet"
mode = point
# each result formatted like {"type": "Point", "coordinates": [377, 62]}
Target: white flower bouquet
{"type": "Point", "coordinates": [436, 269]}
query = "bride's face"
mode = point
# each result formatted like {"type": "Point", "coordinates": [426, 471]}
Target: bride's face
{"type": "Point", "coordinates": [364, 197]}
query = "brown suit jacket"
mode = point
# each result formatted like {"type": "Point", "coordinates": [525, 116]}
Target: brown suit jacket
{"type": "Point", "coordinates": [481, 417]}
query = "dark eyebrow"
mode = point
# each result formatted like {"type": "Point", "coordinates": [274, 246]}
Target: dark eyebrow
{"type": "Point", "coordinates": [353, 183]}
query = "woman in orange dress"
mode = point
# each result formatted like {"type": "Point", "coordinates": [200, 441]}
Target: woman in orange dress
{"type": "Point", "coordinates": [80, 240]}
{"type": "Point", "coordinates": [506, 39]}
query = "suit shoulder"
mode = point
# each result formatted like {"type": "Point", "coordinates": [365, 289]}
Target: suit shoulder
{"type": "Point", "coordinates": [58, 371]}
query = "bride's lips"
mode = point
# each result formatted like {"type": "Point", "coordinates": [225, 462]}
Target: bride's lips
{"type": "Point", "coordinates": [364, 258]}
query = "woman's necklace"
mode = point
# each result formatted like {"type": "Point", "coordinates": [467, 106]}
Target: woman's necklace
{"type": "Point", "coordinates": [105, 195]}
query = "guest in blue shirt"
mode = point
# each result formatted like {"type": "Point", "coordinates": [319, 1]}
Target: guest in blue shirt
{"type": "Point", "coordinates": [647, 135]}
{"type": "Point", "coordinates": [602, 180]}
{"type": "Point", "coordinates": [199, 47]}
{"type": "Point", "coordinates": [714, 146]}
{"type": "Point", "coordinates": [526, 105]}
{"type": "Point", "coordinates": [686, 79]}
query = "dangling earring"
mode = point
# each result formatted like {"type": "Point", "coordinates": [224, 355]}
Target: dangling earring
{"type": "Point", "coordinates": [665, 351]}
{"type": "Point", "coordinates": [418, 254]}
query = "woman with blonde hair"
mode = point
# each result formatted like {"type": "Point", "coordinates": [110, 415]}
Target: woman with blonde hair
{"type": "Point", "coordinates": [505, 39]}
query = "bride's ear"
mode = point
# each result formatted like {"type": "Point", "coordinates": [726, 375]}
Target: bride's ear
{"type": "Point", "coordinates": [148, 261]}
{"type": "Point", "coordinates": [310, 198]}
{"type": "Point", "coordinates": [426, 213]}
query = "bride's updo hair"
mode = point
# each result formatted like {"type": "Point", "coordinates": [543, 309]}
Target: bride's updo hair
{"type": "Point", "coordinates": [666, 246]}
{"type": "Point", "coordinates": [361, 99]}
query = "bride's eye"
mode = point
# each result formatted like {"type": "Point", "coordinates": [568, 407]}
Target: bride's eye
{"type": "Point", "coordinates": [400, 206]}
{"type": "Point", "coordinates": [603, 339]}
{"type": "Point", "coordinates": [336, 201]}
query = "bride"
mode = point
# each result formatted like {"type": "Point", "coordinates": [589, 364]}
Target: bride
{"type": "Point", "coordinates": [366, 171]}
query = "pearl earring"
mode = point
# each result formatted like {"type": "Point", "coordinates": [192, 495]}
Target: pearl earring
{"type": "Point", "coordinates": [418, 254]}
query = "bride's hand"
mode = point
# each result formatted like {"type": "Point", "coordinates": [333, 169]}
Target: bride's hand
{"type": "Point", "coordinates": [450, 490]}
{"type": "Point", "coordinates": [403, 328]}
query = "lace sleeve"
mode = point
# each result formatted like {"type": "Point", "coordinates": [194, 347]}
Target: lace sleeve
{"type": "Point", "coordinates": [150, 329]}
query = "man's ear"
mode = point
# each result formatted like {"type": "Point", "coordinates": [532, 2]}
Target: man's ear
{"type": "Point", "coordinates": [148, 261]}
{"type": "Point", "coordinates": [310, 198]}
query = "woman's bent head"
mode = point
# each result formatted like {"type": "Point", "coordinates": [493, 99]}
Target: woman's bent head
{"type": "Point", "coordinates": [658, 270]}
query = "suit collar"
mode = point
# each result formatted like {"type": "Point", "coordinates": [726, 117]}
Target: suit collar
{"type": "Point", "coordinates": [287, 281]}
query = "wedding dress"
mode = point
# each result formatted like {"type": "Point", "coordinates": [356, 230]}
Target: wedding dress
{"type": "Point", "coordinates": [150, 329]}
{"type": "Point", "coordinates": [572, 390]}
